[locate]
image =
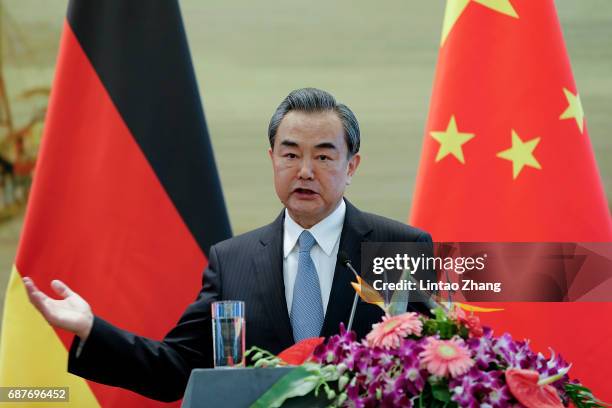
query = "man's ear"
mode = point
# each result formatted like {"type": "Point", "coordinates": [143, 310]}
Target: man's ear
{"type": "Point", "coordinates": [270, 152]}
{"type": "Point", "coordinates": [352, 167]}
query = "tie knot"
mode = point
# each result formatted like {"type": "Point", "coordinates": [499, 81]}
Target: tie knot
{"type": "Point", "coordinates": [306, 241]}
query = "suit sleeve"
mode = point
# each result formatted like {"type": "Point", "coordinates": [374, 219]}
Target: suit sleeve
{"type": "Point", "coordinates": [156, 369]}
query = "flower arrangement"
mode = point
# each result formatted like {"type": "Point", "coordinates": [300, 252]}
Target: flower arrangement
{"type": "Point", "coordinates": [409, 360]}
{"type": "Point", "coordinates": [448, 360]}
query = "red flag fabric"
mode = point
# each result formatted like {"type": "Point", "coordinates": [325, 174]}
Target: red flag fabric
{"type": "Point", "coordinates": [507, 157]}
{"type": "Point", "coordinates": [126, 199]}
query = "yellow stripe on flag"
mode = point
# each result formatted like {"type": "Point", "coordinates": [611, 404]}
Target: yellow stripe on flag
{"type": "Point", "coordinates": [31, 354]}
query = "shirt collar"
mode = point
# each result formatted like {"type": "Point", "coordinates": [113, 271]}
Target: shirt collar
{"type": "Point", "coordinates": [326, 232]}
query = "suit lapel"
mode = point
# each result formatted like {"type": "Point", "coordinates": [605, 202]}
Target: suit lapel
{"type": "Point", "coordinates": [269, 268]}
{"type": "Point", "coordinates": [354, 232]}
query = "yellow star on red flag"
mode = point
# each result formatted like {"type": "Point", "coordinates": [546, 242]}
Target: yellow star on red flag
{"type": "Point", "coordinates": [455, 8]}
{"type": "Point", "coordinates": [451, 141]}
{"type": "Point", "coordinates": [521, 154]}
{"type": "Point", "coordinates": [574, 109]}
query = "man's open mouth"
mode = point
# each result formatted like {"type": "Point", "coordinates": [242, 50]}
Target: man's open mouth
{"type": "Point", "coordinates": [304, 191]}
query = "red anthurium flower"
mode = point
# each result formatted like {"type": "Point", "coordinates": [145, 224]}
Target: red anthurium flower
{"type": "Point", "coordinates": [523, 384]}
{"type": "Point", "coordinates": [300, 351]}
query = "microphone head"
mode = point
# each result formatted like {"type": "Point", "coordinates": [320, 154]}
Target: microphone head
{"type": "Point", "coordinates": [344, 258]}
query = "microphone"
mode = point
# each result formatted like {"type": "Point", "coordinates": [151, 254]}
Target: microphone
{"type": "Point", "coordinates": [345, 260]}
{"type": "Point", "coordinates": [425, 296]}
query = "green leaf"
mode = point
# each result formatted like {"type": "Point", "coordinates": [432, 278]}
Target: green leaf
{"type": "Point", "coordinates": [440, 314]}
{"type": "Point", "coordinates": [430, 327]}
{"type": "Point", "coordinates": [582, 397]}
{"type": "Point", "coordinates": [440, 392]}
{"type": "Point", "coordinates": [447, 329]}
{"type": "Point", "coordinates": [464, 332]}
{"type": "Point", "coordinates": [298, 382]}
{"type": "Point", "coordinates": [327, 373]}
{"type": "Point", "coordinates": [436, 395]}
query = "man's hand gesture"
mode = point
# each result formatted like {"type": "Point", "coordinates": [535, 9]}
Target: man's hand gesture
{"type": "Point", "coordinates": [71, 313]}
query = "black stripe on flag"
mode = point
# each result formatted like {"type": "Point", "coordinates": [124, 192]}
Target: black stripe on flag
{"type": "Point", "coordinates": [139, 50]}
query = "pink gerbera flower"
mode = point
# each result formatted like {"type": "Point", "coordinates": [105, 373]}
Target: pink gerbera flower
{"type": "Point", "coordinates": [390, 332]}
{"type": "Point", "coordinates": [443, 357]}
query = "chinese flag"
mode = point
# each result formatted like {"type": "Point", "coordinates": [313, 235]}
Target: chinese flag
{"type": "Point", "coordinates": [126, 200]}
{"type": "Point", "coordinates": [507, 157]}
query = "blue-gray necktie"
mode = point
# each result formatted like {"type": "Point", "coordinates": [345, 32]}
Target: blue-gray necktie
{"type": "Point", "coordinates": [307, 306]}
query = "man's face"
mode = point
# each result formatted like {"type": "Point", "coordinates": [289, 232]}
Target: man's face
{"type": "Point", "coordinates": [311, 165]}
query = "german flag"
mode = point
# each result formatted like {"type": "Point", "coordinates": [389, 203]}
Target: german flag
{"type": "Point", "coordinates": [126, 199]}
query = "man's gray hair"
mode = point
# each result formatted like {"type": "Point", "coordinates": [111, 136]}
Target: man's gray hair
{"type": "Point", "coordinates": [313, 100]}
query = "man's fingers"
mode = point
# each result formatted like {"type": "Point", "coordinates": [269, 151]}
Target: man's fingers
{"type": "Point", "coordinates": [61, 288]}
{"type": "Point", "coordinates": [29, 283]}
{"type": "Point", "coordinates": [31, 288]}
{"type": "Point", "coordinates": [37, 298]}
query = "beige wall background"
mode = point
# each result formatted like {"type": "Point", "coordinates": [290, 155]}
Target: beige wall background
{"type": "Point", "coordinates": [378, 57]}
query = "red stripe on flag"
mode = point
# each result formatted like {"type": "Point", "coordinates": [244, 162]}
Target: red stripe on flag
{"type": "Point", "coordinates": [99, 219]}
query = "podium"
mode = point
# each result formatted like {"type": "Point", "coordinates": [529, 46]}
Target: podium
{"type": "Point", "coordinates": [239, 387]}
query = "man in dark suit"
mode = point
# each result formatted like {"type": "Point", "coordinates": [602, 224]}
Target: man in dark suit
{"type": "Point", "coordinates": [285, 272]}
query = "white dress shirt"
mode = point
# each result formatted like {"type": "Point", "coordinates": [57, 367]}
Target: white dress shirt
{"type": "Point", "coordinates": [324, 253]}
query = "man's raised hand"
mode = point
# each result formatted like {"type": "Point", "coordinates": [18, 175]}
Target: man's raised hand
{"type": "Point", "coordinates": [71, 313]}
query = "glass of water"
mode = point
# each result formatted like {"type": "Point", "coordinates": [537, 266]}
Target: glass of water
{"type": "Point", "coordinates": [228, 333]}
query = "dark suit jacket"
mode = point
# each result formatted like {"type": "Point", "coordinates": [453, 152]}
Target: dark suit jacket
{"type": "Point", "coordinates": [248, 267]}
